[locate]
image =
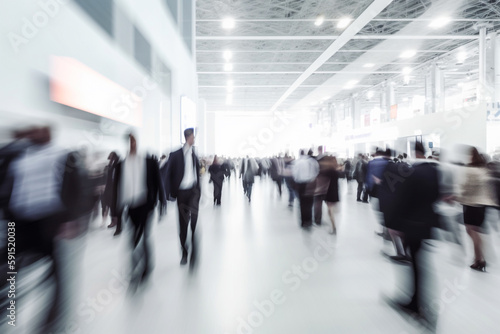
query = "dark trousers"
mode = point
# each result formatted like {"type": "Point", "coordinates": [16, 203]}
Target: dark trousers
{"type": "Point", "coordinates": [217, 192]}
{"type": "Point", "coordinates": [291, 191]}
{"type": "Point", "coordinates": [279, 182]}
{"type": "Point", "coordinates": [318, 208]}
{"type": "Point", "coordinates": [306, 205]}
{"type": "Point", "coordinates": [415, 247]}
{"type": "Point", "coordinates": [363, 191]}
{"type": "Point", "coordinates": [38, 239]}
{"type": "Point", "coordinates": [187, 203]}
{"type": "Point", "coordinates": [140, 217]}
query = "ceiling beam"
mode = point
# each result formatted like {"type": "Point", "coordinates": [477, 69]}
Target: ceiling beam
{"type": "Point", "coordinates": [299, 72]}
{"type": "Point", "coordinates": [336, 20]}
{"type": "Point", "coordinates": [371, 12]}
{"type": "Point", "coordinates": [316, 51]}
{"type": "Point", "coordinates": [334, 37]}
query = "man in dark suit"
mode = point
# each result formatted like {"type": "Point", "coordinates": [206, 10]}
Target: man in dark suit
{"type": "Point", "coordinates": [137, 187]}
{"type": "Point", "coordinates": [182, 181]}
{"type": "Point", "coordinates": [418, 193]}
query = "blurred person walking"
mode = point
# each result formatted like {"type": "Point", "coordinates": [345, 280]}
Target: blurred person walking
{"type": "Point", "coordinates": [276, 172]}
{"type": "Point", "coordinates": [249, 168]}
{"type": "Point", "coordinates": [415, 216]}
{"type": "Point", "coordinates": [476, 193]}
{"type": "Point", "coordinates": [138, 188]}
{"type": "Point", "coordinates": [217, 173]}
{"type": "Point", "coordinates": [360, 175]}
{"type": "Point", "coordinates": [288, 177]}
{"type": "Point", "coordinates": [332, 197]}
{"type": "Point", "coordinates": [305, 170]}
{"type": "Point", "coordinates": [47, 193]}
{"type": "Point", "coordinates": [183, 184]}
{"type": "Point", "coordinates": [108, 196]}
{"type": "Point", "coordinates": [321, 185]}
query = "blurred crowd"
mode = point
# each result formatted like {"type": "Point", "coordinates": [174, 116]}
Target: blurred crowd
{"type": "Point", "coordinates": [52, 194]}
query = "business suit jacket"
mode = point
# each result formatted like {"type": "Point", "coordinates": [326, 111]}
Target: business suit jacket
{"type": "Point", "coordinates": [175, 172]}
{"type": "Point", "coordinates": [152, 184]}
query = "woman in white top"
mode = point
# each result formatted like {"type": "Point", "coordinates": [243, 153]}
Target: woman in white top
{"type": "Point", "coordinates": [475, 195]}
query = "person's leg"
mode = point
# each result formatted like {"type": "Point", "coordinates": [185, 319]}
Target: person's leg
{"type": "Point", "coordinates": [136, 216]}
{"type": "Point", "coordinates": [194, 202]}
{"type": "Point", "coordinates": [365, 193]}
{"type": "Point", "coordinates": [360, 189]}
{"type": "Point", "coordinates": [291, 191]}
{"type": "Point", "coordinates": [415, 245]}
{"type": "Point", "coordinates": [331, 208]}
{"type": "Point", "coordinates": [219, 197]}
{"type": "Point", "coordinates": [318, 209]}
{"type": "Point", "coordinates": [249, 191]}
{"type": "Point", "coordinates": [309, 203]}
{"type": "Point", "coordinates": [184, 215]}
{"type": "Point", "coordinates": [279, 182]}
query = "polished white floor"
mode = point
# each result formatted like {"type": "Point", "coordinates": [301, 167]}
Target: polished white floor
{"type": "Point", "coordinates": [250, 254]}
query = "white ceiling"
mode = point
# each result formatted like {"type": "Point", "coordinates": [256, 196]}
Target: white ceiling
{"type": "Point", "coordinates": [281, 60]}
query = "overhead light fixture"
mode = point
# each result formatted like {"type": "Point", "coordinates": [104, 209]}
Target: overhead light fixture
{"type": "Point", "coordinates": [439, 22]}
{"type": "Point", "coordinates": [319, 20]}
{"type": "Point", "coordinates": [230, 89]}
{"type": "Point", "coordinates": [407, 70]}
{"type": "Point", "coordinates": [406, 79]}
{"type": "Point", "coordinates": [326, 97]}
{"type": "Point", "coordinates": [229, 99]}
{"type": "Point", "coordinates": [227, 55]}
{"type": "Point", "coordinates": [228, 67]}
{"type": "Point", "coordinates": [370, 94]}
{"type": "Point", "coordinates": [408, 54]}
{"type": "Point", "coordinates": [368, 65]}
{"type": "Point", "coordinates": [228, 23]}
{"type": "Point", "coordinates": [344, 22]}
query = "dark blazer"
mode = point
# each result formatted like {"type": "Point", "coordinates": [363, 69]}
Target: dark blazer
{"type": "Point", "coordinates": [175, 172]}
{"type": "Point", "coordinates": [152, 183]}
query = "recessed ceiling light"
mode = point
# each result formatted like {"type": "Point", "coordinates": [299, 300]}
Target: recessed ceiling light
{"type": "Point", "coordinates": [408, 54]}
{"type": "Point", "coordinates": [370, 94]}
{"type": "Point", "coordinates": [326, 97]}
{"type": "Point", "coordinates": [319, 20]}
{"type": "Point", "coordinates": [344, 22]}
{"type": "Point", "coordinates": [230, 82]}
{"type": "Point", "coordinates": [369, 65]}
{"type": "Point", "coordinates": [228, 23]}
{"type": "Point", "coordinates": [227, 55]}
{"type": "Point", "coordinates": [461, 57]}
{"type": "Point", "coordinates": [439, 22]}
{"type": "Point", "coordinates": [228, 67]}
{"type": "Point", "coordinates": [230, 89]}
{"type": "Point", "coordinates": [229, 99]}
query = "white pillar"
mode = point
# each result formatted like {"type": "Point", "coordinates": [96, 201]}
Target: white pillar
{"type": "Point", "coordinates": [482, 65]}
{"type": "Point", "coordinates": [496, 100]}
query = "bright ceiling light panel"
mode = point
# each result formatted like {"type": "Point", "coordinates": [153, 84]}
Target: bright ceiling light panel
{"type": "Point", "coordinates": [228, 23]}
{"type": "Point", "coordinates": [228, 67]}
{"type": "Point", "coordinates": [344, 22]}
{"type": "Point", "coordinates": [408, 54]}
{"type": "Point", "coordinates": [229, 99]}
{"type": "Point", "coordinates": [227, 55]}
{"type": "Point", "coordinates": [319, 20]}
{"type": "Point", "coordinates": [407, 70]}
{"type": "Point", "coordinates": [369, 65]}
{"type": "Point", "coordinates": [439, 22]}
{"type": "Point", "coordinates": [370, 94]}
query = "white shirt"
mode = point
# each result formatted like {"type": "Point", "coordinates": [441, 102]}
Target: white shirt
{"type": "Point", "coordinates": [305, 169]}
{"type": "Point", "coordinates": [37, 184]}
{"type": "Point", "coordinates": [133, 182]}
{"type": "Point", "coordinates": [189, 178]}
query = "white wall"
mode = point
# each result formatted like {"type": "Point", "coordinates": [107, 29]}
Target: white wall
{"type": "Point", "coordinates": [69, 32]}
